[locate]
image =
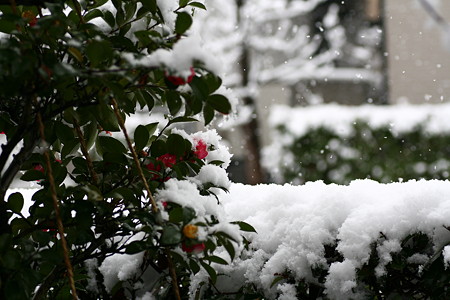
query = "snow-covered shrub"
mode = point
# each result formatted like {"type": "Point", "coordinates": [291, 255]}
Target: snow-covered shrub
{"type": "Point", "coordinates": [118, 213]}
{"type": "Point", "coordinates": [367, 240]}
{"type": "Point", "coordinates": [336, 143]}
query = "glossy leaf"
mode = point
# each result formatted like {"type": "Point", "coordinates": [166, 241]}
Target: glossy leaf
{"type": "Point", "coordinates": [15, 202]}
{"type": "Point", "coordinates": [183, 22]}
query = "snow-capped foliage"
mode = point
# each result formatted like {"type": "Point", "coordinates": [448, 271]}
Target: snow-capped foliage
{"type": "Point", "coordinates": [298, 225]}
{"type": "Point", "coordinates": [338, 143]}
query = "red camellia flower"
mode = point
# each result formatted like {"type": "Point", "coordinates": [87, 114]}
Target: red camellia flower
{"type": "Point", "coordinates": [152, 167]}
{"type": "Point", "coordinates": [200, 150]}
{"type": "Point", "coordinates": [197, 248]}
{"type": "Point", "coordinates": [2, 132]}
{"type": "Point", "coordinates": [39, 168]}
{"type": "Point", "coordinates": [177, 80]}
{"type": "Point", "coordinates": [167, 159]}
{"type": "Point", "coordinates": [31, 18]}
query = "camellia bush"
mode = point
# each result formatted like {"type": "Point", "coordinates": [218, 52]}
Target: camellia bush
{"type": "Point", "coordinates": [338, 144]}
{"type": "Point", "coordinates": [119, 212]}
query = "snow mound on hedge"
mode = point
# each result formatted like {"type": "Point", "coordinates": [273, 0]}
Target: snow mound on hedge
{"type": "Point", "coordinates": [290, 123]}
{"type": "Point", "coordinates": [295, 222]}
{"type": "Point", "coordinates": [340, 118]}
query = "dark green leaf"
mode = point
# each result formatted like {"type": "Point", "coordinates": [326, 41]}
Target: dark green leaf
{"type": "Point", "coordinates": [109, 18]}
{"type": "Point", "coordinates": [176, 215]}
{"type": "Point", "coordinates": [176, 144]}
{"type": "Point", "coordinates": [230, 249]}
{"type": "Point", "coordinates": [181, 120]}
{"type": "Point", "coordinates": [93, 193]}
{"type": "Point", "coordinates": [173, 101]}
{"type": "Point", "coordinates": [15, 202]}
{"type": "Point", "coordinates": [6, 26]}
{"type": "Point", "coordinates": [130, 10]}
{"type": "Point", "coordinates": [106, 117]}
{"type": "Point", "coordinates": [208, 114]}
{"type": "Point", "coordinates": [200, 88]}
{"type": "Point", "coordinates": [110, 144]}
{"type": "Point", "coordinates": [95, 13]}
{"type": "Point", "coordinates": [158, 148]}
{"type": "Point", "coordinates": [171, 235]}
{"type": "Point", "coordinates": [244, 226]}
{"type": "Point", "coordinates": [219, 103]}
{"type": "Point", "coordinates": [64, 133]}
{"type": "Point", "coordinates": [183, 3]}
{"type": "Point", "coordinates": [183, 22]}
{"type": "Point", "coordinates": [213, 82]}
{"type": "Point", "coordinates": [135, 247]}
{"type": "Point", "coordinates": [99, 51]}
{"type": "Point", "coordinates": [32, 175]}
{"type": "Point", "coordinates": [150, 5]}
{"type": "Point", "coordinates": [197, 4]}
{"type": "Point", "coordinates": [70, 147]}
{"type": "Point", "coordinates": [194, 266]}
{"type": "Point", "coordinates": [211, 272]}
{"type": "Point", "coordinates": [188, 214]}
{"type": "Point", "coordinates": [216, 259]}
{"type": "Point", "coordinates": [141, 137]}
{"type": "Point", "coordinates": [152, 128]}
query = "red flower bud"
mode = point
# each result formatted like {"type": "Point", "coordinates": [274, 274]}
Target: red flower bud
{"type": "Point", "coordinates": [177, 80]}
{"type": "Point", "coordinates": [154, 168]}
{"type": "Point", "coordinates": [197, 248]}
{"type": "Point", "coordinates": [200, 150]}
{"type": "Point", "coordinates": [167, 159]}
{"type": "Point", "coordinates": [31, 18]}
{"type": "Point", "coordinates": [39, 167]}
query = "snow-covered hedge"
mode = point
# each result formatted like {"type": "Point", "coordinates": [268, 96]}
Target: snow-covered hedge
{"type": "Point", "coordinates": [338, 143]}
{"type": "Point", "coordinates": [363, 241]}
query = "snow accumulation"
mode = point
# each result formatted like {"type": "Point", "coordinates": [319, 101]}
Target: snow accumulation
{"type": "Point", "coordinates": [293, 224]}
{"type": "Point", "coordinates": [340, 118]}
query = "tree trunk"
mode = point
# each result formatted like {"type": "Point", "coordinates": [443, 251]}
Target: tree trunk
{"type": "Point", "coordinates": [251, 130]}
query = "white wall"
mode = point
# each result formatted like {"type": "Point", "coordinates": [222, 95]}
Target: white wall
{"type": "Point", "coordinates": [418, 59]}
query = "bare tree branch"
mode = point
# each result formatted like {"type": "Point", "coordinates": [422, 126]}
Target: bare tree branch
{"type": "Point", "coordinates": [434, 14]}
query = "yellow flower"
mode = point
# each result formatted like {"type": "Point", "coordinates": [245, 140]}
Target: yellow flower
{"type": "Point", "coordinates": [190, 231]}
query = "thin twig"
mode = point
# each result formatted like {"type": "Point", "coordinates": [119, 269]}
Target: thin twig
{"type": "Point", "coordinates": [172, 270]}
{"type": "Point", "coordinates": [55, 201]}
{"type": "Point", "coordinates": [85, 152]}
{"type": "Point", "coordinates": [134, 154]}
{"type": "Point", "coordinates": [173, 275]}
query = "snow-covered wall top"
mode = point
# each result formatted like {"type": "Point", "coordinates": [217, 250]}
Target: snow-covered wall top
{"type": "Point", "coordinates": [295, 222]}
{"type": "Point", "coordinates": [339, 118]}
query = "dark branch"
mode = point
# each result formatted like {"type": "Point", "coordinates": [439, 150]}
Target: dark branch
{"type": "Point", "coordinates": [40, 3]}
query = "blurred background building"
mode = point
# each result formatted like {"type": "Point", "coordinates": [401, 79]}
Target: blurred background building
{"type": "Point", "coordinates": [391, 52]}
